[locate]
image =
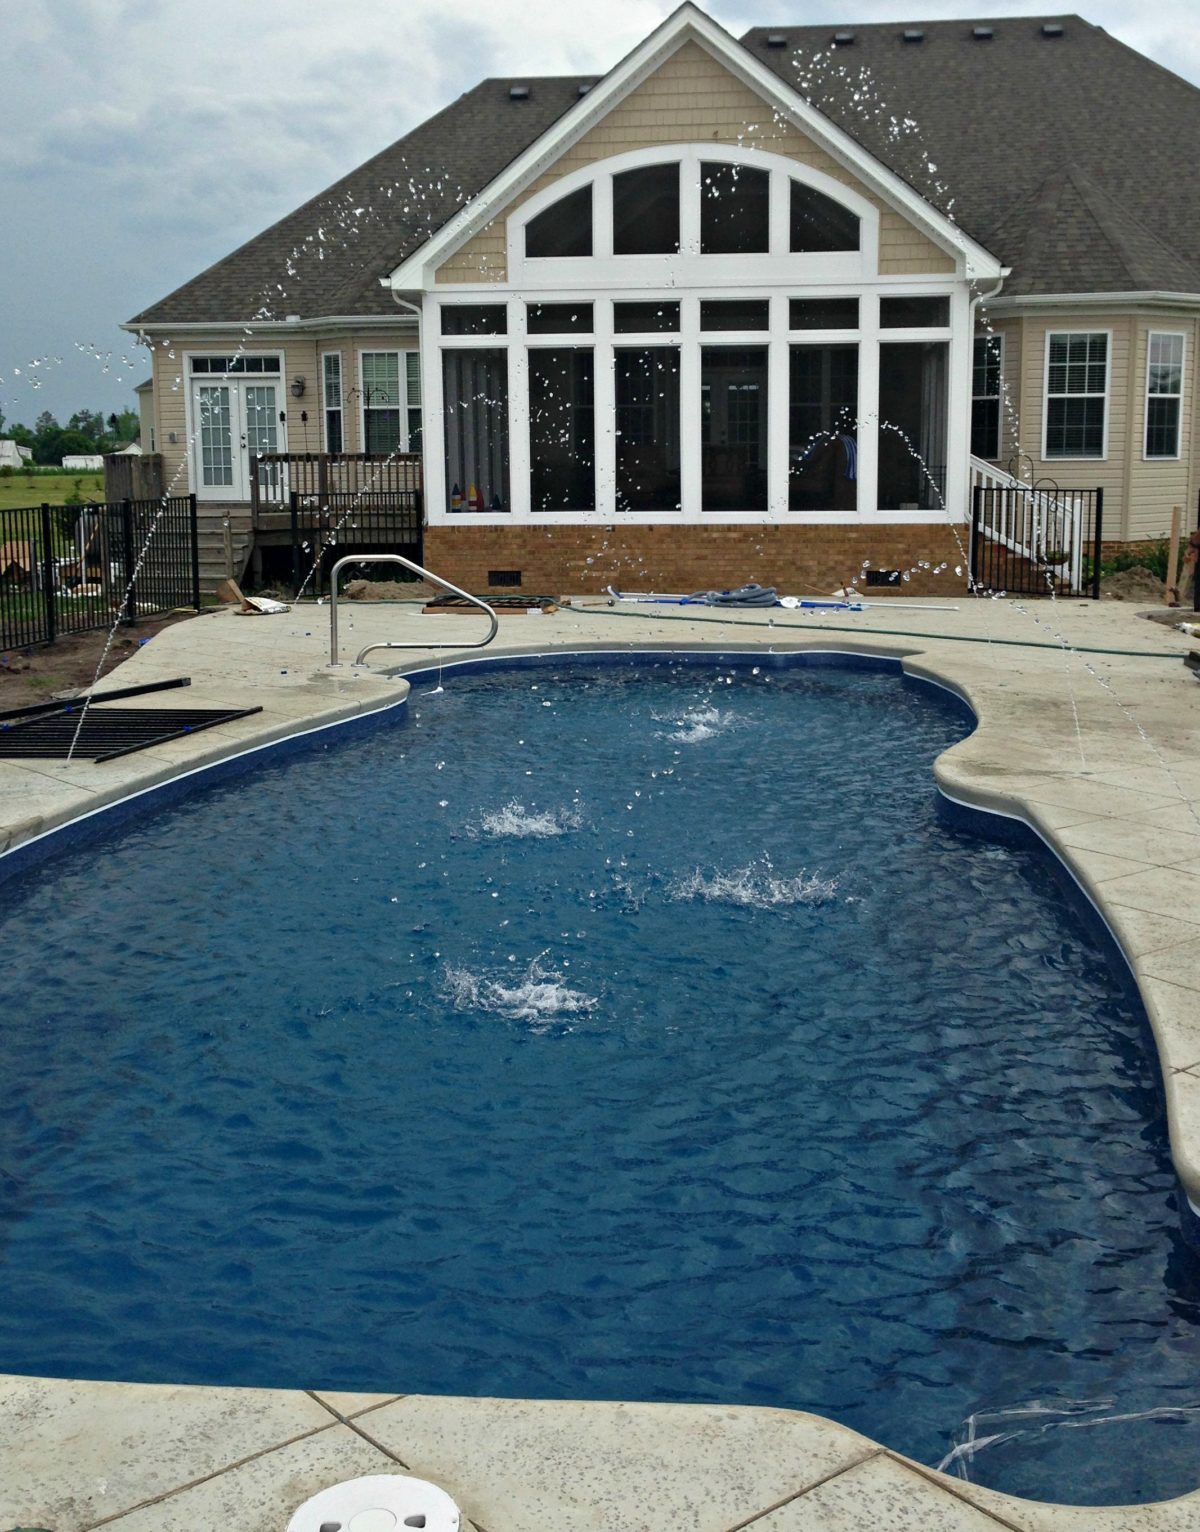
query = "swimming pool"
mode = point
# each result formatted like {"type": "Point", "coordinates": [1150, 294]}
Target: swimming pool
{"type": "Point", "coordinates": [632, 1033]}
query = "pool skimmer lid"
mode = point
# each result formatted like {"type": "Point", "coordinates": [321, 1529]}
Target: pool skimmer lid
{"type": "Point", "coordinates": [381, 1502]}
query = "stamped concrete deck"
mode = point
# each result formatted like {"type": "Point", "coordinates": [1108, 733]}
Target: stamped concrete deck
{"type": "Point", "coordinates": [1099, 750]}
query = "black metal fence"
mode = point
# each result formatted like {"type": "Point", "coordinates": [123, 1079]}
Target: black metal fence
{"type": "Point", "coordinates": [363, 521]}
{"type": "Point", "coordinates": [1036, 541]}
{"type": "Point", "coordinates": [74, 568]}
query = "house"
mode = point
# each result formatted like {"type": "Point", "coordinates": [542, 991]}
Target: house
{"type": "Point", "coordinates": [765, 308]}
{"type": "Point", "coordinates": [83, 462]}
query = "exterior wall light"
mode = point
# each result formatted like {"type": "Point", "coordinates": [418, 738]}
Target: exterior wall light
{"type": "Point", "coordinates": [297, 388]}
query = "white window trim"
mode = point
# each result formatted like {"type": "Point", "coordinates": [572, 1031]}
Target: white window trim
{"type": "Point", "coordinates": [1087, 457]}
{"type": "Point", "coordinates": [341, 404]}
{"type": "Point", "coordinates": [1164, 457]}
{"type": "Point", "coordinates": [401, 405]}
{"type": "Point", "coordinates": [996, 335]}
{"type": "Point", "coordinates": [776, 339]}
{"type": "Point", "coordinates": [688, 268]}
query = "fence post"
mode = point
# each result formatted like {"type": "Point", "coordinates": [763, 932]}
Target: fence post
{"type": "Point", "coordinates": [1097, 543]}
{"type": "Point", "coordinates": [195, 539]}
{"type": "Point", "coordinates": [48, 592]}
{"type": "Point", "coordinates": [294, 506]}
{"type": "Point", "coordinates": [128, 564]}
{"type": "Point", "coordinates": [973, 561]}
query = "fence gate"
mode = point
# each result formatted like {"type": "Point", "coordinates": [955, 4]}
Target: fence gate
{"type": "Point", "coordinates": [1036, 539]}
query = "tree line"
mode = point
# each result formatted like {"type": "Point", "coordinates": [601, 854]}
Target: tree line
{"type": "Point", "coordinates": [86, 431]}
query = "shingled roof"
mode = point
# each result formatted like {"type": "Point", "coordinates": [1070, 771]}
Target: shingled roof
{"type": "Point", "coordinates": [1069, 156]}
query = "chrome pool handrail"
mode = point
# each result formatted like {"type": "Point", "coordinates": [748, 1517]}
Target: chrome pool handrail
{"type": "Point", "coordinates": [425, 574]}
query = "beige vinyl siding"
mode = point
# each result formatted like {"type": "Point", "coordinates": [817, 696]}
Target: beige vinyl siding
{"type": "Point", "coordinates": [1157, 484]}
{"type": "Point", "coordinates": [1109, 472]}
{"type": "Point", "coordinates": [692, 98]}
{"type": "Point", "coordinates": [300, 357]}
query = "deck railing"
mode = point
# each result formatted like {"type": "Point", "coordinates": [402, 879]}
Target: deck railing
{"type": "Point", "coordinates": [318, 477]}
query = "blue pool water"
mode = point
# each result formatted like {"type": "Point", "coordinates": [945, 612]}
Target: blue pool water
{"type": "Point", "coordinates": [603, 1033]}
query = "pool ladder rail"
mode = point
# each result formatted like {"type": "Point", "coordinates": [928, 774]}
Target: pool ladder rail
{"type": "Point", "coordinates": [425, 574]}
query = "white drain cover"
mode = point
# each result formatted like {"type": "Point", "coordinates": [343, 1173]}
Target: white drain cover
{"type": "Point", "coordinates": [381, 1502]}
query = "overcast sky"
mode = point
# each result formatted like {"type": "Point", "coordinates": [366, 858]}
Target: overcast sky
{"type": "Point", "coordinates": [144, 139]}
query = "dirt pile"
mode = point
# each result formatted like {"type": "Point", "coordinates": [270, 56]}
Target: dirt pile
{"type": "Point", "coordinates": [1135, 584]}
{"type": "Point", "coordinates": [390, 590]}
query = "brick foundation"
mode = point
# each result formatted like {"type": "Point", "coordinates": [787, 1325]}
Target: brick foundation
{"type": "Point", "coordinates": [797, 559]}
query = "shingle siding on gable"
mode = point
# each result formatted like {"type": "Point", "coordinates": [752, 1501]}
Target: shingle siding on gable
{"type": "Point", "coordinates": [692, 98]}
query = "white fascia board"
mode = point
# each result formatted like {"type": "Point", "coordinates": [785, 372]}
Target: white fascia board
{"type": "Point", "coordinates": [1095, 300]}
{"type": "Point", "coordinates": [278, 326]}
{"type": "Point", "coordinates": [688, 24]}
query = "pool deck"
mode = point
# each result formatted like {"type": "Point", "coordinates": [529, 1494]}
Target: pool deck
{"type": "Point", "coordinates": [1089, 729]}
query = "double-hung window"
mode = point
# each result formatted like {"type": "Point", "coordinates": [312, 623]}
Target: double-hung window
{"type": "Point", "coordinates": [1076, 393]}
{"type": "Point", "coordinates": [391, 401]}
{"type": "Point", "coordinates": [1164, 394]}
{"type": "Point", "coordinates": [985, 397]}
{"type": "Point", "coordinates": [331, 398]}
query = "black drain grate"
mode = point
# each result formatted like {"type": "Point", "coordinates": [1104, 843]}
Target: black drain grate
{"type": "Point", "coordinates": [47, 731]}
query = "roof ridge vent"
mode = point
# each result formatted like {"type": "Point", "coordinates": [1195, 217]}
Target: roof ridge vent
{"type": "Point", "coordinates": [776, 40]}
{"type": "Point", "coordinates": [518, 92]}
{"type": "Point", "coordinates": [842, 39]}
{"type": "Point", "coordinates": [982, 34]}
{"type": "Point", "coordinates": [913, 35]}
{"type": "Point", "coordinates": [583, 89]}
{"type": "Point", "coordinates": [1052, 29]}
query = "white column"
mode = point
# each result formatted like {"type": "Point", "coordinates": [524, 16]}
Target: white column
{"type": "Point", "coordinates": [778, 408]}
{"type": "Point", "coordinates": [433, 418]}
{"type": "Point", "coordinates": [518, 413]}
{"type": "Point", "coordinates": [868, 403]}
{"type": "Point", "coordinates": [691, 447]}
{"type": "Point", "coordinates": [958, 404]}
{"type": "Point", "coordinates": [604, 396]}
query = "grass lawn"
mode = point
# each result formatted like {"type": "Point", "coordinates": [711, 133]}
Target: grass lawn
{"type": "Point", "coordinates": [22, 489]}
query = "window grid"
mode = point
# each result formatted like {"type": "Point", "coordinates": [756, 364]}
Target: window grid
{"type": "Point", "coordinates": [1076, 393]}
{"type": "Point", "coordinates": [1164, 394]}
{"type": "Point", "coordinates": [331, 387]}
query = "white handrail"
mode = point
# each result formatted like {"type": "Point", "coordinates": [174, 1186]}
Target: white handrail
{"type": "Point", "coordinates": [426, 574]}
{"type": "Point", "coordinates": [1055, 519]}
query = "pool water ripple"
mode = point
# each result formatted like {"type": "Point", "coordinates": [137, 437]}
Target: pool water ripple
{"type": "Point", "coordinates": [862, 1124]}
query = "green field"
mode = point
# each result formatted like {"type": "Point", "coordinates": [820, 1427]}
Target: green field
{"type": "Point", "coordinates": [20, 489]}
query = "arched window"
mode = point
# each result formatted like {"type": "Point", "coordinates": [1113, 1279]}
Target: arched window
{"type": "Point", "coordinates": [563, 228]}
{"type": "Point", "coordinates": [818, 223]}
{"type": "Point", "coordinates": [646, 210]}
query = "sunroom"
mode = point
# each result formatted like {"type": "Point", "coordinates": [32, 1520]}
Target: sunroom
{"type": "Point", "coordinates": [694, 333]}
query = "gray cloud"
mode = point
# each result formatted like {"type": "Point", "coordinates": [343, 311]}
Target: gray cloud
{"type": "Point", "coordinates": [175, 131]}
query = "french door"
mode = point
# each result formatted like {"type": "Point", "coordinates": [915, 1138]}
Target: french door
{"type": "Point", "coordinates": [233, 422]}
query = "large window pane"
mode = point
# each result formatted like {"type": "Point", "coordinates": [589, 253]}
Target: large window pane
{"type": "Point", "coordinates": [558, 318]}
{"type": "Point", "coordinates": [647, 397]}
{"type": "Point", "coordinates": [819, 223]}
{"type": "Point", "coordinates": [562, 464]}
{"type": "Point", "coordinates": [734, 210]}
{"type": "Point", "coordinates": [912, 425]}
{"type": "Point", "coordinates": [331, 394]}
{"type": "Point", "coordinates": [646, 211]}
{"type": "Point", "coordinates": [474, 319]}
{"type": "Point", "coordinates": [1164, 394]}
{"type": "Point", "coordinates": [823, 314]}
{"type": "Point", "coordinates": [734, 314]}
{"type": "Point", "coordinates": [475, 400]}
{"type": "Point", "coordinates": [562, 229]}
{"type": "Point", "coordinates": [1076, 381]}
{"type": "Point", "coordinates": [645, 318]}
{"type": "Point", "coordinates": [733, 400]}
{"type": "Point", "coordinates": [914, 313]}
{"type": "Point", "coordinates": [823, 428]}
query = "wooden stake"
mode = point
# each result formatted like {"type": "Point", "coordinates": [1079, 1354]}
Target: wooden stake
{"type": "Point", "coordinates": [1171, 593]}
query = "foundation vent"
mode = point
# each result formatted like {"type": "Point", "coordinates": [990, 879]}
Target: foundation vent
{"type": "Point", "coordinates": [883, 577]}
{"type": "Point", "coordinates": [502, 577]}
